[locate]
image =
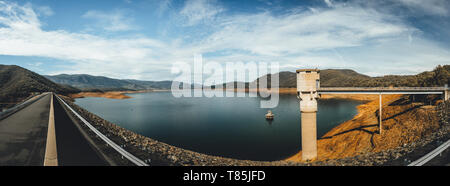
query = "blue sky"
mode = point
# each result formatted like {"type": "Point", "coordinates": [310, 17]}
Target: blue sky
{"type": "Point", "coordinates": [141, 39]}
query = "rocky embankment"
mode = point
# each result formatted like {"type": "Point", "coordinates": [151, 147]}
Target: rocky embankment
{"type": "Point", "coordinates": [159, 153]}
{"type": "Point", "coordinates": [404, 154]}
{"type": "Point", "coordinates": [410, 130]}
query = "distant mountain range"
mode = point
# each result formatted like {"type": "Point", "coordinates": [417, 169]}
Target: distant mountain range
{"type": "Point", "coordinates": [328, 78]}
{"type": "Point", "coordinates": [91, 83]}
{"type": "Point", "coordinates": [349, 78]}
{"type": "Point", "coordinates": [17, 83]}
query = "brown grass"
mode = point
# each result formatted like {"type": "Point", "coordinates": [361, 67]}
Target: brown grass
{"type": "Point", "coordinates": [110, 95]}
{"type": "Point", "coordinates": [403, 123]}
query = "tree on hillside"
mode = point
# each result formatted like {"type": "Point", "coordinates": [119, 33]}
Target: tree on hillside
{"type": "Point", "coordinates": [441, 76]}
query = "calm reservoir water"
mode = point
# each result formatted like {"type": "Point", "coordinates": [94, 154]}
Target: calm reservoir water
{"type": "Point", "coordinates": [230, 127]}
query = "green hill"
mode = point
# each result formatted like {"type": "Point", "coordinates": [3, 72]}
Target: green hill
{"type": "Point", "coordinates": [88, 83]}
{"type": "Point", "coordinates": [349, 78]}
{"type": "Point", "coordinates": [328, 78]}
{"type": "Point", "coordinates": [17, 83]}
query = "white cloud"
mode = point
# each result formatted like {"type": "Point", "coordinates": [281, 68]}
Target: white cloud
{"type": "Point", "coordinates": [27, 19]}
{"type": "Point", "coordinates": [306, 31]}
{"type": "Point", "coordinates": [337, 37]}
{"type": "Point", "coordinates": [21, 35]}
{"type": "Point", "coordinates": [329, 3]}
{"type": "Point", "coordinates": [433, 7]}
{"type": "Point", "coordinates": [199, 11]}
{"type": "Point", "coordinates": [111, 21]}
{"type": "Point", "coordinates": [45, 10]}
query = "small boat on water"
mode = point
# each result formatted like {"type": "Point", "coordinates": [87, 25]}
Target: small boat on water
{"type": "Point", "coordinates": [269, 115]}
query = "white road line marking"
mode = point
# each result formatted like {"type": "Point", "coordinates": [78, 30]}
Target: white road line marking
{"type": "Point", "coordinates": [51, 154]}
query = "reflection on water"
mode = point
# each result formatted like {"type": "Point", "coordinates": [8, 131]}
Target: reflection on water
{"type": "Point", "coordinates": [231, 127]}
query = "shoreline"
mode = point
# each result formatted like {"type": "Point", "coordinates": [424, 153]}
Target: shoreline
{"type": "Point", "coordinates": [360, 135]}
{"type": "Point", "coordinates": [164, 154]}
{"type": "Point", "coordinates": [111, 94]}
{"type": "Point", "coordinates": [282, 91]}
{"type": "Point", "coordinates": [160, 153]}
{"type": "Point", "coordinates": [362, 110]}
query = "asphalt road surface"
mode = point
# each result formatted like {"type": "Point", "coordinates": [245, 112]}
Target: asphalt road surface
{"type": "Point", "coordinates": [73, 148]}
{"type": "Point", "coordinates": [23, 134]}
{"type": "Point", "coordinates": [23, 137]}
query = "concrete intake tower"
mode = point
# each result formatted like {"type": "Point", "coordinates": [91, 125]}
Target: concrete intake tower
{"type": "Point", "coordinates": [308, 83]}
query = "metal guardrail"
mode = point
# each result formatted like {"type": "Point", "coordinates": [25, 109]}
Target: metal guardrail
{"type": "Point", "coordinates": [20, 106]}
{"type": "Point", "coordinates": [421, 161]}
{"type": "Point", "coordinates": [382, 90]}
{"type": "Point", "coordinates": [377, 92]}
{"type": "Point", "coordinates": [119, 149]}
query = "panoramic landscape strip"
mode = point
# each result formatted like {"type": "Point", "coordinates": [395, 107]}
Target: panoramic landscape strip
{"type": "Point", "coordinates": [224, 91]}
{"type": "Point", "coordinates": [423, 120]}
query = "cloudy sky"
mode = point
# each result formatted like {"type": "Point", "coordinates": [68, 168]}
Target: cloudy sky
{"type": "Point", "coordinates": [142, 39]}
